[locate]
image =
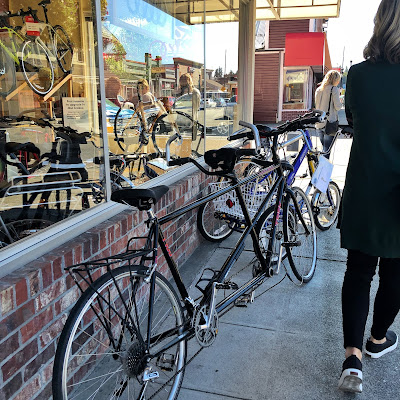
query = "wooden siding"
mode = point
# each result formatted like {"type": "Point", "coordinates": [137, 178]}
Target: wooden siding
{"type": "Point", "coordinates": [279, 29]}
{"type": "Point", "coordinates": [266, 87]}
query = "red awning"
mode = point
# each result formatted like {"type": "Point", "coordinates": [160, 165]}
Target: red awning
{"type": "Point", "coordinates": [307, 49]}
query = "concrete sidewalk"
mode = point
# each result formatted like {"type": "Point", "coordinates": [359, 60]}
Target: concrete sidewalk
{"type": "Point", "coordinates": [288, 343]}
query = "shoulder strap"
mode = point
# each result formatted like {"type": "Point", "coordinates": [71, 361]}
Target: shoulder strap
{"type": "Point", "coordinates": [329, 105]}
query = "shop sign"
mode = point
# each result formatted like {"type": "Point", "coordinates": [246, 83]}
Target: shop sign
{"type": "Point", "coordinates": [157, 70]}
{"type": "Point", "coordinates": [32, 27]}
{"type": "Point", "coordinates": [76, 113]}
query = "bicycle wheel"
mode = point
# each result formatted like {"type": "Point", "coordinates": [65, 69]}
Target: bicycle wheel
{"type": "Point", "coordinates": [126, 122]}
{"type": "Point", "coordinates": [326, 206]}
{"type": "Point", "coordinates": [102, 349]}
{"type": "Point", "coordinates": [56, 205]}
{"type": "Point", "coordinates": [264, 230]}
{"type": "Point", "coordinates": [20, 229]}
{"type": "Point", "coordinates": [64, 49]}
{"type": "Point", "coordinates": [7, 73]}
{"type": "Point", "coordinates": [302, 253]}
{"type": "Point", "coordinates": [213, 225]}
{"type": "Point", "coordinates": [37, 67]}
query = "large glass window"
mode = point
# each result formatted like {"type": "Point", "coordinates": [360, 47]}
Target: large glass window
{"type": "Point", "coordinates": [154, 64]}
{"type": "Point", "coordinates": [50, 140]}
{"type": "Point", "coordinates": [296, 89]}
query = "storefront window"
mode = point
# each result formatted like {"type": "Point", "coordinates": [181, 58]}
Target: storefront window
{"type": "Point", "coordinates": [154, 62]}
{"type": "Point", "coordinates": [295, 91]}
{"type": "Point", "coordinates": [50, 140]}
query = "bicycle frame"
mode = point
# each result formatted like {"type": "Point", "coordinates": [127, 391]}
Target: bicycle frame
{"type": "Point", "coordinates": [14, 52]}
{"type": "Point", "coordinates": [156, 232]}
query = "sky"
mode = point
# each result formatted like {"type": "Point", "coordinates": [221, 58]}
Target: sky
{"type": "Point", "coordinates": [351, 32]}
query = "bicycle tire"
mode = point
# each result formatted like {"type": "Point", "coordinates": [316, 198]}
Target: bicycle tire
{"type": "Point", "coordinates": [87, 339]}
{"type": "Point", "coordinates": [264, 228]}
{"type": "Point", "coordinates": [123, 125]}
{"type": "Point", "coordinates": [37, 67]}
{"type": "Point", "coordinates": [211, 227]}
{"type": "Point", "coordinates": [8, 74]}
{"type": "Point", "coordinates": [64, 49]}
{"type": "Point", "coordinates": [302, 256]}
{"type": "Point", "coordinates": [326, 211]}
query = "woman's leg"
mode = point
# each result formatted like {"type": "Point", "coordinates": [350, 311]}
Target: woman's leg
{"type": "Point", "coordinates": [355, 298]}
{"type": "Point", "coordinates": [387, 299]}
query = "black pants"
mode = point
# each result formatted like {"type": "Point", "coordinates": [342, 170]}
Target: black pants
{"type": "Point", "coordinates": [355, 296]}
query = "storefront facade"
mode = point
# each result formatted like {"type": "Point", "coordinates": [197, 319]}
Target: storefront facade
{"type": "Point", "coordinates": [66, 89]}
{"type": "Point", "coordinates": [293, 58]}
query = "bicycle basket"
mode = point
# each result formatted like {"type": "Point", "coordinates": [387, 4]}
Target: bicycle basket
{"type": "Point", "coordinates": [253, 193]}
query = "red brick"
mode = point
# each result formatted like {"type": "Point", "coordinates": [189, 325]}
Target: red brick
{"type": "Point", "coordinates": [103, 240]}
{"type": "Point", "coordinates": [29, 391]}
{"type": "Point", "coordinates": [17, 318]}
{"type": "Point", "coordinates": [9, 346]}
{"type": "Point", "coordinates": [95, 242]}
{"type": "Point", "coordinates": [110, 234]}
{"type": "Point", "coordinates": [36, 324]}
{"type": "Point", "coordinates": [57, 267]}
{"type": "Point", "coordinates": [50, 294]}
{"type": "Point", "coordinates": [77, 254]}
{"type": "Point", "coordinates": [7, 300]}
{"type": "Point", "coordinates": [47, 372]}
{"type": "Point", "coordinates": [69, 299]}
{"type": "Point", "coordinates": [34, 279]}
{"type": "Point", "coordinates": [21, 291]}
{"type": "Point", "coordinates": [68, 258]}
{"type": "Point", "coordinates": [53, 331]}
{"type": "Point", "coordinates": [38, 362]}
{"type": "Point", "coordinates": [11, 387]}
{"type": "Point", "coordinates": [19, 360]}
{"type": "Point", "coordinates": [47, 275]}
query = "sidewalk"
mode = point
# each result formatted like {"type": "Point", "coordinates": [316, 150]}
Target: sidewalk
{"type": "Point", "coordinates": [288, 343]}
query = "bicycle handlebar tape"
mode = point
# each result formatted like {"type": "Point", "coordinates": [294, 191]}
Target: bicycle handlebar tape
{"type": "Point", "coordinates": [240, 135]}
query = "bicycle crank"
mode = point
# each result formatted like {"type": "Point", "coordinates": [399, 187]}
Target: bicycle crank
{"type": "Point", "coordinates": [205, 326]}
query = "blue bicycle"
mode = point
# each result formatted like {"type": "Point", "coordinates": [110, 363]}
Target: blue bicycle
{"type": "Point", "coordinates": [217, 219]}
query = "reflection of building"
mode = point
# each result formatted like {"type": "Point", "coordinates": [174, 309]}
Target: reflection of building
{"type": "Point", "coordinates": [294, 59]}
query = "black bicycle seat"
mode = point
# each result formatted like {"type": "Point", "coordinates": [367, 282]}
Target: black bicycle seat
{"type": "Point", "coordinates": [44, 2]}
{"type": "Point", "coordinates": [13, 147]}
{"type": "Point", "coordinates": [143, 199]}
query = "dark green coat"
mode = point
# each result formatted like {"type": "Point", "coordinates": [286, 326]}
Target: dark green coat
{"type": "Point", "coordinates": [370, 215]}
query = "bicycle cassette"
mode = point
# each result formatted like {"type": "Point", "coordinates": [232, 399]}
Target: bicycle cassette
{"type": "Point", "coordinates": [205, 333]}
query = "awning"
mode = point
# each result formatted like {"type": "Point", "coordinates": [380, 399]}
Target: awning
{"type": "Point", "coordinates": [192, 12]}
{"type": "Point", "coordinates": [307, 49]}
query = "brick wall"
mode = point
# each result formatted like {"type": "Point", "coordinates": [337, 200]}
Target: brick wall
{"type": "Point", "coordinates": [35, 300]}
{"type": "Point", "coordinates": [288, 115]}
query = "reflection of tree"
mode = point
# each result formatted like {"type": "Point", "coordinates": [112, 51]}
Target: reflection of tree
{"type": "Point", "coordinates": [69, 15]}
{"type": "Point", "coordinates": [218, 72]}
{"type": "Point", "coordinates": [114, 53]}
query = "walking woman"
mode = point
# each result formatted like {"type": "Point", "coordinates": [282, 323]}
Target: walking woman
{"type": "Point", "coordinates": [327, 98]}
{"type": "Point", "coordinates": [370, 217]}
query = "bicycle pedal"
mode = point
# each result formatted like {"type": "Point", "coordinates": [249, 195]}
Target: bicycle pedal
{"type": "Point", "coordinates": [227, 286]}
{"type": "Point", "coordinates": [296, 243]}
{"type": "Point", "coordinates": [244, 300]}
{"type": "Point", "coordinates": [304, 175]}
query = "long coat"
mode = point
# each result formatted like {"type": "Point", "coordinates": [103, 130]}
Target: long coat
{"type": "Point", "coordinates": [370, 214]}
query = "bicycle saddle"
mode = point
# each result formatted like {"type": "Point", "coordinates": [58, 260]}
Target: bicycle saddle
{"type": "Point", "coordinates": [13, 147]}
{"type": "Point", "coordinates": [143, 199]}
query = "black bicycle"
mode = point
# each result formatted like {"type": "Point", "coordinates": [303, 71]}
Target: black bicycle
{"type": "Point", "coordinates": [126, 337]}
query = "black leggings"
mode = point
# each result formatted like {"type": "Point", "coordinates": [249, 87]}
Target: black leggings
{"type": "Point", "coordinates": [355, 296]}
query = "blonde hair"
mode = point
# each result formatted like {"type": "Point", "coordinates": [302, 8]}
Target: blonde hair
{"type": "Point", "coordinates": [332, 77]}
{"type": "Point", "coordinates": [143, 82]}
{"type": "Point", "coordinates": [384, 44]}
{"type": "Point", "coordinates": [186, 80]}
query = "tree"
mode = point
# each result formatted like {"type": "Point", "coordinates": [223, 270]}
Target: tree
{"type": "Point", "coordinates": [218, 72]}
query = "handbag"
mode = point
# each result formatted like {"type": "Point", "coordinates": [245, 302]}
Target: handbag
{"type": "Point", "coordinates": [331, 127]}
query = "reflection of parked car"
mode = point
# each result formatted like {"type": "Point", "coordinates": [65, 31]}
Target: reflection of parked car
{"type": "Point", "coordinates": [230, 106]}
{"type": "Point", "coordinates": [184, 101]}
{"type": "Point", "coordinates": [209, 103]}
{"type": "Point", "coordinates": [220, 102]}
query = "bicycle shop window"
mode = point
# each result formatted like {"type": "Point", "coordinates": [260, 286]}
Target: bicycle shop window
{"type": "Point", "coordinates": [50, 137]}
{"type": "Point", "coordinates": [296, 89]}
